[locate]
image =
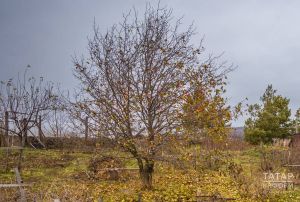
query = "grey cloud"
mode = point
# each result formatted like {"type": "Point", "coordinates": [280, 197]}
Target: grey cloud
{"type": "Point", "coordinates": [261, 37]}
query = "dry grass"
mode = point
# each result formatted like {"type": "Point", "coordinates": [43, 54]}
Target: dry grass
{"type": "Point", "coordinates": [65, 174]}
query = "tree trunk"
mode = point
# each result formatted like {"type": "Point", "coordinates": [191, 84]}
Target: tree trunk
{"type": "Point", "coordinates": [146, 171]}
{"type": "Point", "coordinates": [146, 179]}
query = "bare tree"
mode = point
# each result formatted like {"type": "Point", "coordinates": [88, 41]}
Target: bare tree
{"type": "Point", "coordinates": [25, 99]}
{"type": "Point", "coordinates": [58, 123]}
{"type": "Point", "coordinates": [134, 79]}
{"type": "Point", "coordinates": [77, 115]}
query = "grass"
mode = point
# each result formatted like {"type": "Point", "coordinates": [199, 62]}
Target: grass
{"type": "Point", "coordinates": [65, 175]}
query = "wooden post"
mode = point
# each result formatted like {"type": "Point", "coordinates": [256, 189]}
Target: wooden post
{"type": "Point", "coordinates": [2, 134]}
{"type": "Point", "coordinates": [86, 132]}
{"type": "Point", "coordinates": [24, 132]}
{"type": "Point", "coordinates": [100, 199]}
{"type": "Point", "coordinates": [20, 182]}
{"type": "Point", "coordinates": [6, 129]}
{"type": "Point", "coordinates": [40, 132]}
{"type": "Point", "coordinates": [7, 159]}
{"type": "Point", "coordinates": [140, 197]}
{"type": "Point", "coordinates": [198, 194]}
{"type": "Point", "coordinates": [6, 138]}
{"type": "Point", "coordinates": [20, 159]}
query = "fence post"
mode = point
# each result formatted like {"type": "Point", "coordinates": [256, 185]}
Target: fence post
{"type": "Point", "coordinates": [6, 129]}
{"type": "Point", "coordinates": [100, 199]}
{"type": "Point", "coordinates": [86, 132]}
{"type": "Point", "coordinates": [19, 182]}
{"type": "Point", "coordinates": [20, 158]}
{"type": "Point", "coordinates": [40, 133]}
{"type": "Point", "coordinates": [198, 194]}
{"type": "Point", "coordinates": [140, 197]}
{"type": "Point", "coordinates": [24, 132]}
{"type": "Point", "coordinates": [6, 142]}
{"type": "Point", "coordinates": [2, 134]}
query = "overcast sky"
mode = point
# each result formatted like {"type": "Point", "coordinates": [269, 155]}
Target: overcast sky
{"type": "Point", "coordinates": [261, 37]}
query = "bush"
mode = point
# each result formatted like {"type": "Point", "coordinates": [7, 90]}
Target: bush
{"type": "Point", "coordinates": [100, 166]}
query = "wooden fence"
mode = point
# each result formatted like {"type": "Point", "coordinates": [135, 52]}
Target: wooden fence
{"type": "Point", "coordinates": [19, 184]}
